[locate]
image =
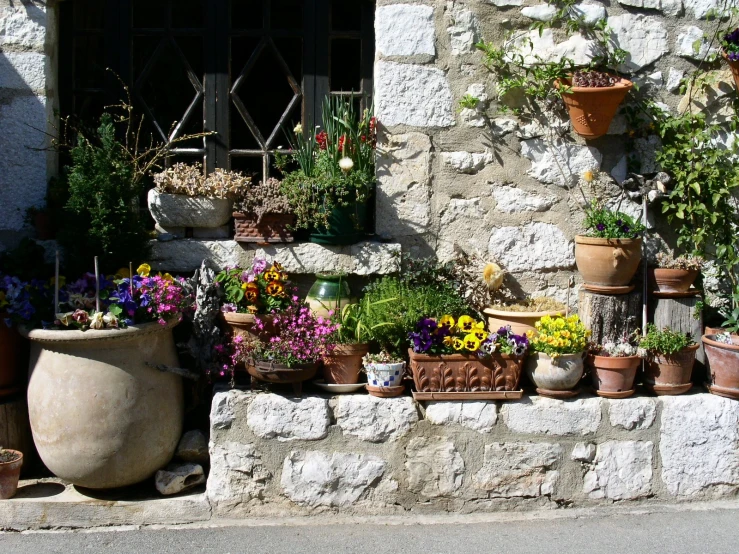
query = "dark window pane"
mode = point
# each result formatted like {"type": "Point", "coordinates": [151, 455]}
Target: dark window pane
{"type": "Point", "coordinates": [89, 14]}
{"type": "Point", "coordinates": [188, 14]}
{"type": "Point", "coordinates": [149, 14]}
{"type": "Point", "coordinates": [346, 59]}
{"type": "Point", "coordinates": [346, 15]}
{"type": "Point", "coordinates": [287, 15]}
{"type": "Point", "coordinates": [241, 137]}
{"type": "Point", "coordinates": [87, 108]}
{"type": "Point", "coordinates": [89, 61]}
{"type": "Point", "coordinates": [247, 14]}
{"type": "Point", "coordinates": [248, 165]}
{"type": "Point", "coordinates": [291, 50]}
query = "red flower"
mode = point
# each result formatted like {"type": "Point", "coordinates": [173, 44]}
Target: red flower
{"type": "Point", "coordinates": [344, 141]}
{"type": "Point", "coordinates": [322, 140]}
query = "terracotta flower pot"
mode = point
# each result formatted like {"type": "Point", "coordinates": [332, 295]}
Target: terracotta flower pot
{"type": "Point", "coordinates": [243, 325]}
{"type": "Point", "coordinates": [343, 365]}
{"type": "Point", "coordinates": [672, 280]}
{"type": "Point", "coordinates": [385, 375]}
{"type": "Point", "coordinates": [613, 374]}
{"type": "Point", "coordinates": [734, 67]}
{"type": "Point", "coordinates": [562, 373]}
{"type": "Point", "coordinates": [465, 372]}
{"type": "Point", "coordinates": [592, 109]}
{"type": "Point", "coordinates": [102, 414]}
{"type": "Point", "coordinates": [670, 375]}
{"type": "Point", "coordinates": [273, 228]}
{"type": "Point", "coordinates": [10, 473]}
{"type": "Point", "coordinates": [10, 347]}
{"type": "Point", "coordinates": [607, 264]}
{"type": "Point", "coordinates": [520, 322]}
{"type": "Point", "coordinates": [279, 374]}
{"type": "Point", "coordinates": [724, 364]}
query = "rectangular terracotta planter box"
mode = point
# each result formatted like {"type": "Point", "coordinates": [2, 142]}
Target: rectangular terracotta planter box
{"type": "Point", "coordinates": [465, 372]}
{"type": "Point", "coordinates": [273, 228]}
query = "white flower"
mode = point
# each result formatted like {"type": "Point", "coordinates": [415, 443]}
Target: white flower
{"type": "Point", "coordinates": [110, 320]}
{"type": "Point", "coordinates": [96, 321]}
{"type": "Point", "coordinates": [346, 164]}
{"type": "Point", "coordinates": [298, 129]}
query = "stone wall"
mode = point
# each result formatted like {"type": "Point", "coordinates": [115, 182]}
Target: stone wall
{"type": "Point", "coordinates": [358, 454]}
{"type": "Point", "coordinates": [27, 103]}
{"type": "Point", "coordinates": [493, 184]}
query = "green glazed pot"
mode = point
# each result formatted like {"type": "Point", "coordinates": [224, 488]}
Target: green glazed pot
{"type": "Point", "coordinates": [346, 225]}
{"type": "Point", "coordinates": [329, 292]}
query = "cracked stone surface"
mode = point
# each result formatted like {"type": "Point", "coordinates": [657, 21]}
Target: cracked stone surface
{"type": "Point", "coordinates": [271, 416]}
{"type": "Point", "coordinates": [632, 413]}
{"type": "Point", "coordinates": [375, 419]}
{"type": "Point", "coordinates": [514, 200]}
{"type": "Point", "coordinates": [518, 469]}
{"type": "Point", "coordinates": [546, 416]}
{"type": "Point", "coordinates": [622, 470]}
{"type": "Point", "coordinates": [532, 246]}
{"type": "Point", "coordinates": [558, 162]}
{"type": "Point", "coordinates": [478, 416]}
{"type": "Point", "coordinates": [434, 467]}
{"type": "Point", "coordinates": [237, 474]}
{"type": "Point", "coordinates": [644, 37]}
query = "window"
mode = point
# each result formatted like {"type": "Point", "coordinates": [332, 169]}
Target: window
{"type": "Point", "coordinates": [245, 69]}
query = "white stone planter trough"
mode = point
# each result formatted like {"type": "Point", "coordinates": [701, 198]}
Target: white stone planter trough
{"type": "Point", "coordinates": [177, 210]}
{"type": "Point", "coordinates": [102, 416]}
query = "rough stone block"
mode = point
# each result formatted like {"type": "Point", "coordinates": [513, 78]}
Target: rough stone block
{"type": "Point", "coordinates": [540, 12]}
{"type": "Point", "coordinates": [306, 257]}
{"type": "Point", "coordinates": [414, 95]}
{"type": "Point", "coordinates": [699, 444]}
{"type": "Point", "coordinates": [464, 31]}
{"type": "Point", "coordinates": [23, 25]}
{"type": "Point", "coordinates": [559, 162]}
{"type": "Point", "coordinates": [478, 416]}
{"type": "Point", "coordinates": [690, 37]}
{"type": "Point", "coordinates": [583, 452]}
{"type": "Point", "coordinates": [23, 71]}
{"type": "Point", "coordinates": [320, 479]}
{"type": "Point", "coordinates": [271, 416]}
{"type": "Point", "coordinates": [644, 37]}
{"type": "Point", "coordinates": [532, 247]}
{"type": "Point", "coordinates": [434, 467]}
{"type": "Point", "coordinates": [461, 209]}
{"type": "Point", "coordinates": [185, 256]}
{"type": "Point", "coordinates": [622, 470]}
{"type": "Point", "coordinates": [375, 258]}
{"type": "Point", "coordinates": [405, 30]}
{"type": "Point", "coordinates": [222, 410]}
{"type": "Point", "coordinates": [701, 8]}
{"type": "Point", "coordinates": [177, 478]}
{"type": "Point", "coordinates": [375, 419]}
{"type": "Point", "coordinates": [467, 162]}
{"type": "Point", "coordinates": [519, 469]}
{"type": "Point", "coordinates": [546, 416]}
{"type": "Point", "coordinates": [632, 413]}
{"type": "Point", "coordinates": [237, 475]}
{"type": "Point", "coordinates": [511, 200]}
{"type": "Point", "coordinates": [193, 448]}
{"type": "Point", "coordinates": [590, 13]}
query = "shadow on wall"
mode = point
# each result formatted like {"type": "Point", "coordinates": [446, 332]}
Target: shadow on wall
{"type": "Point", "coordinates": [25, 70]}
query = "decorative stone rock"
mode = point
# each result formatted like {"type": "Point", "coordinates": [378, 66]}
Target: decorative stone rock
{"type": "Point", "coordinates": [464, 31]}
{"type": "Point", "coordinates": [503, 125]}
{"type": "Point", "coordinates": [338, 480]}
{"type": "Point", "coordinates": [237, 474]}
{"type": "Point", "coordinates": [193, 448]}
{"type": "Point", "coordinates": [644, 37]}
{"type": "Point", "coordinates": [533, 246]}
{"type": "Point", "coordinates": [540, 12]}
{"type": "Point", "coordinates": [512, 200]}
{"type": "Point", "coordinates": [622, 470]}
{"type": "Point", "coordinates": [185, 256]}
{"type": "Point", "coordinates": [375, 258]}
{"type": "Point", "coordinates": [671, 7]}
{"type": "Point", "coordinates": [472, 117]}
{"type": "Point", "coordinates": [405, 30]}
{"type": "Point", "coordinates": [467, 162]}
{"type": "Point", "coordinates": [404, 185]}
{"type": "Point", "coordinates": [178, 210]}
{"type": "Point", "coordinates": [518, 469]}
{"type": "Point", "coordinates": [375, 419]}
{"type": "Point", "coordinates": [632, 413]}
{"type": "Point", "coordinates": [699, 444]}
{"type": "Point", "coordinates": [272, 416]}
{"type": "Point", "coordinates": [20, 26]}
{"type": "Point", "coordinates": [177, 478]}
{"type": "Point", "coordinates": [434, 467]}
{"type": "Point", "coordinates": [478, 416]}
{"type": "Point", "coordinates": [590, 13]}
{"type": "Point", "coordinates": [559, 162]}
{"type": "Point", "coordinates": [414, 95]}
{"type": "Point", "coordinates": [546, 416]}
{"type": "Point", "coordinates": [673, 79]}
{"type": "Point", "coordinates": [477, 90]}
{"type": "Point", "coordinates": [221, 410]}
{"type": "Point", "coordinates": [462, 208]}
{"type": "Point", "coordinates": [685, 45]}
{"type": "Point", "coordinates": [583, 452]}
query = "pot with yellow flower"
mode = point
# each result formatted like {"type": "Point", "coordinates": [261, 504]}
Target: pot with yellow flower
{"type": "Point", "coordinates": [556, 362]}
{"type": "Point", "coordinates": [451, 357]}
{"type": "Point", "coordinates": [263, 289]}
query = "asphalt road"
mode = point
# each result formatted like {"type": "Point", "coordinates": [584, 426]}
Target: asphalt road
{"type": "Point", "coordinates": [700, 532]}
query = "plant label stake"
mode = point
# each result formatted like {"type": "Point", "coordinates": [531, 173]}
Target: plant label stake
{"type": "Point", "coordinates": [645, 291]}
{"type": "Point", "coordinates": [97, 286]}
{"type": "Point", "coordinates": [56, 285]}
{"type": "Point", "coordinates": [130, 276]}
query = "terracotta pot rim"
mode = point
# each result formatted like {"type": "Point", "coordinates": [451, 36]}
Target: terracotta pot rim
{"type": "Point", "coordinates": [597, 241]}
{"type": "Point", "coordinates": [622, 83]}
{"type": "Point", "coordinates": [712, 342]}
{"type": "Point", "coordinates": [283, 368]}
{"type": "Point", "coordinates": [12, 463]}
{"type": "Point", "coordinates": [596, 357]}
{"type": "Point", "coordinates": [680, 271]}
{"type": "Point", "coordinates": [575, 355]}
{"type": "Point", "coordinates": [686, 350]}
{"type": "Point", "coordinates": [614, 363]}
{"type": "Point", "coordinates": [457, 357]}
{"type": "Point", "coordinates": [93, 335]}
{"type": "Point", "coordinates": [516, 315]}
{"type": "Point", "coordinates": [353, 349]}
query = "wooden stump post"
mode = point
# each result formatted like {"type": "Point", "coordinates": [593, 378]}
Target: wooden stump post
{"type": "Point", "coordinates": [678, 313]}
{"type": "Point", "coordinates": [15, 429]}
{"type": "Point", "coordinates": [609, 317]}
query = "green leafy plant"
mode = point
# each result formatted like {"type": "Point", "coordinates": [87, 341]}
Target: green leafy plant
{"type": "Point", "coordinates": [731, 323]}
{"type": "Point", "coordinates": [468, 101]}
{"type": "Point", "coordinates": [664, 341]}
{"type": "Point", "coordinates": [336, 166]}
{"type": "Point", "coordinates": [602, 222]}
{"type": "Point", "coordinates": [351, 322]}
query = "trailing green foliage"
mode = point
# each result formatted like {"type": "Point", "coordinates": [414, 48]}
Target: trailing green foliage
{"type": "Point", "coordinates": [102, 215]}
{"type": "Point", "coordinates": [664, 341]}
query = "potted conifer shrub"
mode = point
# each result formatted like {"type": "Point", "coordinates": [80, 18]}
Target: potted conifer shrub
{"type": "Point", "coordinates": [670, 357]}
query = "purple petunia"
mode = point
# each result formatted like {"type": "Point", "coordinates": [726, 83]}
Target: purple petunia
{"type": "Point", "coordinates": [600, 227]}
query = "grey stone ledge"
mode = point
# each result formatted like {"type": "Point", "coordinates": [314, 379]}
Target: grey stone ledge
{"type": "Point", "coordinates": [364, 258]}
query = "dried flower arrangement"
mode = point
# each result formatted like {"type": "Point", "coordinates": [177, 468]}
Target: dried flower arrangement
{"type": "Point", "coordinates": [687, 263]}
{"type": "Point", "coordinates": [188, 180]}
{"type": "Point", "coordinates": [265, 198]}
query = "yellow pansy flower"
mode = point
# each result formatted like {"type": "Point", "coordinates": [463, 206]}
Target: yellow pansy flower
{"type": "Point", "coordinates": [471, 343]}
{"type": "Point", "coordinates": [446, 321]}
{"type": "Point", "coordinates": [466, 323]}
{"type": "Point", "coordinates": [480, 334]}
{"type": "Point", "coordinates": [144, 270]}
{"type": "Point", "coordinates": [458, 344]}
